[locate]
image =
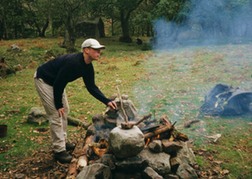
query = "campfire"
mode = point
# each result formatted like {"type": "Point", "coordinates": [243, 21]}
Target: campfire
{"type": "Point", "coordinates": [120, 144]}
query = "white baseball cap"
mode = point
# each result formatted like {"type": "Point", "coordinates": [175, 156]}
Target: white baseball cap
{"type": "Point", "coordinates": [92, 43]}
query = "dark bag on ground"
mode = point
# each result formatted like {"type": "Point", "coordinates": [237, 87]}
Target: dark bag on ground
{"type": "Point", "coordinates": [224, 100]}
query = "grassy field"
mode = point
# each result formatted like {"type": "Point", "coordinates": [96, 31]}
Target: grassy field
{"type": "Point", "coordinates": [172, 82]}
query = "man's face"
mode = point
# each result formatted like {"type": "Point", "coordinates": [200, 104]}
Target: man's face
{"type": "Point", "coordinates": [94, 54]}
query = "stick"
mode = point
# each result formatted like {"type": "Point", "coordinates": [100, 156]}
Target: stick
{"type": "Point", "coordinates": [120, 98]}
{"type": "Point", "coordinates": [129, 125]}
{"type": "Point", "coordinates": [144, 118]}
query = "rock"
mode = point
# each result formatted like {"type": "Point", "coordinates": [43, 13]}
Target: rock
{"type": "Point", "coordinates": [126, 143]}
{"type": "Point", "coordinates": [5, 69]}
{"type": "Point", "coordinates": [128, 107]}
{"type": "Point", "coordinates": [14, 48]}
{"type": "Point", "coordinates": [175, 162]}
{"type": "Point", "coordinates": [129, 175]}
{"type": "Point", "coordinates": [149, 173]}
{"type": "Point", "coordinates": [98, 121]}
{"type": "Point", "coordinates": [155, 146]}
{"type": "Point", "coordinates": [132, 164]}
{"type": "Point", "coordinates": [171, 176]}
{"type": "Point", "coordinates": [95, 171]}
{"type": "Point", "coordinates": [109, 160]}
{"type": "Point", "coordinates": [160, 162]}
{"type": "Point", "coordinates": [37, 115]}
{"type": "Point", "coordinates": [171, 147]}
{"type": "Point", "coordinates": [186, 154]}
{"type": "Point", "coordinates": [186, 171]}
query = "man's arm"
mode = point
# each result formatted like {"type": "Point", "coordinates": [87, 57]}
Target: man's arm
{"type": "Point", "coordinates": [89, 81]}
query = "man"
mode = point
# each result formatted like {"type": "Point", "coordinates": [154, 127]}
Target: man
{"type": "Point", "coordinates": [51, 79]}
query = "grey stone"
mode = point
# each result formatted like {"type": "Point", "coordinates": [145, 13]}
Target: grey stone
{"type": "Point", "coordinates": [171, 176]}
{"type": "Point", "coordinates": [37, 115]}
{"type": "Point", "coordinates": [149, 173]}
{"type": "Point", "coordinates": [171, 147]}
{"type": "Point", "coordinates": [95, 171]}
{"type": "Point", "coordinates": [186, 154]}
{"type": "Point", "coordinates": [132, 164]}
{"type": "Point", "coordinates": [126, 143]}
{"type": "Point", "coordinates": [109, 160]}
{"type": "Point", "coordinates": [160, 162]}
{"type": "Point", "coordinates": [155, 146]}
{"type": "Point", "coordinates": [186, 171]}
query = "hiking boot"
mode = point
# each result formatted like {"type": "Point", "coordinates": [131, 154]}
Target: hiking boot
{"type": "Point", "coordinates": [63, 157]}
{"type": "Point", "coordinates": [70, 146]}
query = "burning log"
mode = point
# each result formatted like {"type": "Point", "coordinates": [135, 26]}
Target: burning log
{"type": "Point", "coordinates": [167, 127]}
{"type": "Point", "coordinates": [161, 129]}
{"type": "Point", "coordinates": [158, 131]}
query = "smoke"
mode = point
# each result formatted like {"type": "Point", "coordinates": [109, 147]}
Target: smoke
{"type": "Point", "coordinates": [176, 77]}
{"type": "Point", "coordinates": [208, 22]}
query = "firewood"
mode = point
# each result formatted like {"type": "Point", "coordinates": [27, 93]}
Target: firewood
{"type": "Point", "coordinates": [129, 125]}
{"type": "Point", "coordinates": [159, 130]}
{"type": "Point", "coordinates": [72, 169]}
{"type": "Point", "coordinates": [76, 122]}
{"type": "Point", "coordinates": [89, 140]}
{"type": "Point", "coordinates": [168, 126]}
{"type": "Point", "coordinates": [179, 136]}
{"type": "Point", "coordinates": [165, 119]}
{"type": "Point", "coordinates": [82, 162]}
{"type": "Point", "coordinates": [79, 156]}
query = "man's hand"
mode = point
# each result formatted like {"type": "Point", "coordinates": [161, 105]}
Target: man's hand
{"type": "Point", "coordinates": [61, 112]}
{"type": "Point", "coordinates": [112, 105]}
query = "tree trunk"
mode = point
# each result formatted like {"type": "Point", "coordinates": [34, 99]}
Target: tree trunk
{"type": "Point", "coordinates": [69, 39]}
{"type": "Point", "coordinates": [45, 27]}
{"type": "Point", "coordinates": [125, 28]}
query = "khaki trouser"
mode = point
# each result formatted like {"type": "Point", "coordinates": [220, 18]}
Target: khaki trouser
{"type": "Point", "coordinates": [58, 125]}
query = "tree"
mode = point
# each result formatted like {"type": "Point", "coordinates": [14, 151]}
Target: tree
{"type": "Point", "coordinates": [142, 17]}
{"type": "Point", "coordinates": [11, 19]}
{"type": "Point", "coordinates": [120, 10]}
{"type": "Point", "coordinates": [126, 7]}
{"type": "Point", "coordinates": [37, 15]}
{"type": "Point", "coordinates": [171, 10]}
{"type": "Point", "coordinates": [68, 11]}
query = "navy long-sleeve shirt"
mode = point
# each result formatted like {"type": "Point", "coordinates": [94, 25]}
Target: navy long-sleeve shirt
{"type": "Point", "coordinates": [67, 68]}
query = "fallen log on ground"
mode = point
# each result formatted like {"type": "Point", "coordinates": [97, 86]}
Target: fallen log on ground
{"type": "Point", "coordinates": [76, 122]}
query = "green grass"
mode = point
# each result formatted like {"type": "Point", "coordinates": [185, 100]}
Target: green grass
{"type": "Point", "coordinates": [172, 82]}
